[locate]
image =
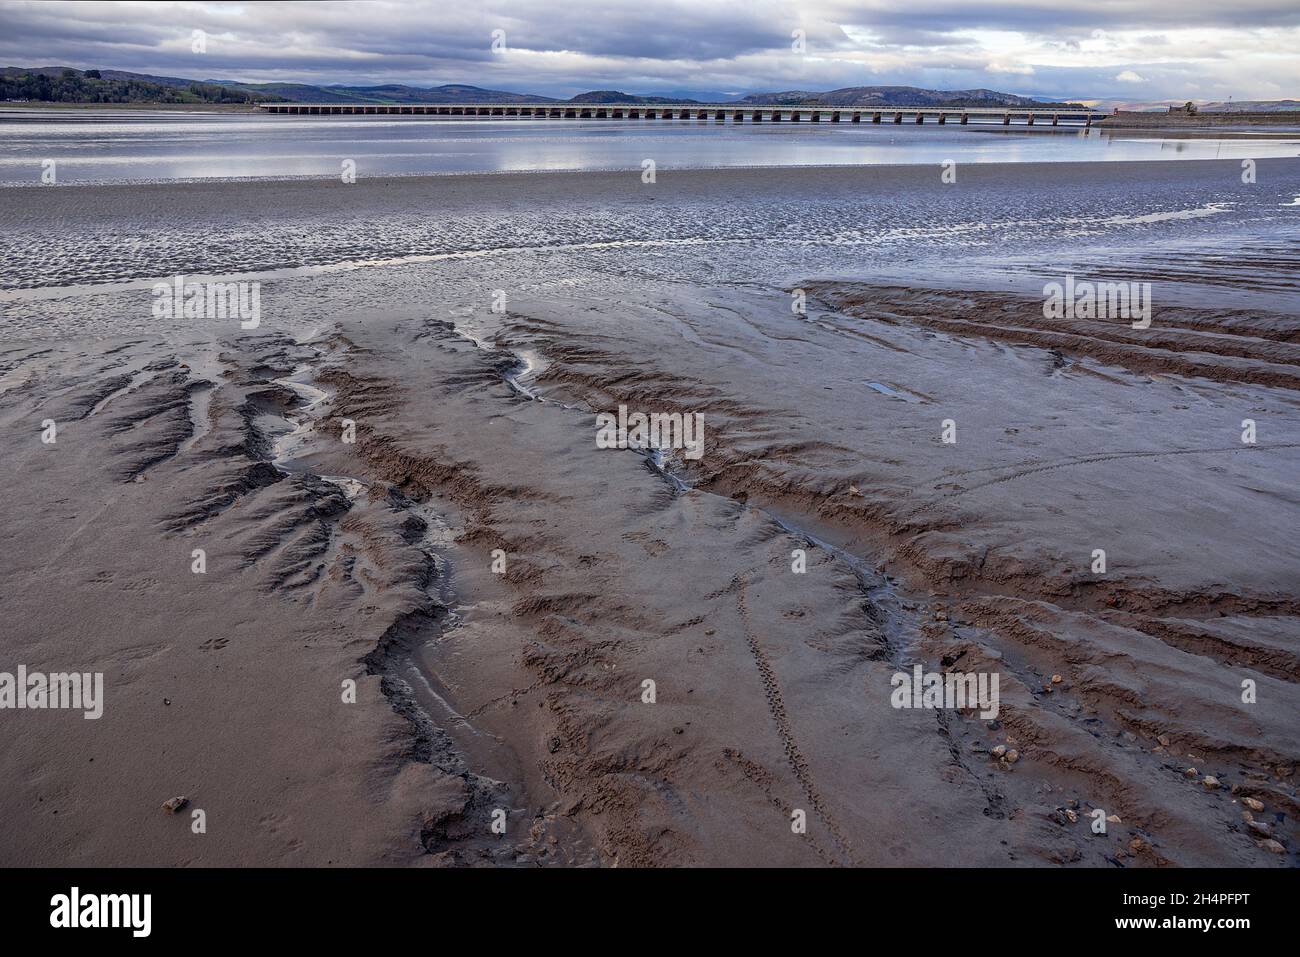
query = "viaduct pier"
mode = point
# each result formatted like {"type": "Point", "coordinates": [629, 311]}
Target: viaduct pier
{"type": "Point", "coordinates": [716, 112]}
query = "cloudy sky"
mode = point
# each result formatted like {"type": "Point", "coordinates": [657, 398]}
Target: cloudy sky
{"type": "Point", "coordinates": [1070, 49]}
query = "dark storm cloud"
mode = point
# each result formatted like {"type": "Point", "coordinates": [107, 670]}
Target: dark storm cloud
{"type": "Point", "coordinates": [1070, 47]}
{"type": "Point", "coordinates": [1066, 15]}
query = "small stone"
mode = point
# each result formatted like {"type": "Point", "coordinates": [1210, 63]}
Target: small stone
{"type": "Point", "coordinates": [679, 730]}
{"type": "Point", "coordinates": [172, 805]}
{"type": "Point", "coordinates": [1211, 783]}
{"type": "Point", "coordinates": [940, 616]}
{"type": "Point", "coordinates": [167, 700]}
{"type": "Point", "coordinates": [1057, 679]}
{"type": "Point", "coordinates": [1069, 856]}
{"type": "Point", "coordinates": [1260, 828]}
{"type": "Point", "coordinates": [999, 750]}
{"type": "Point", "coordinates": [1191, 773]}
{"type": "Point", "coordinates": [1073, 816]}
{"type": "Point", "coordinates": [1163, 739]}
{"type": "Point", "coordinates": [1253, 804]}
{"type": "Point", "coordinates": [1012, 756]}
{"type": "Point", "coordinates": [1247, 816]}
{"type": "Point", "coordinates": [1271, 845]}
{"type": "Point", "coordinates": [1114, 819]}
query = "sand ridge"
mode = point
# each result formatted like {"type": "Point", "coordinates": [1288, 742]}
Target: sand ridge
{"type": "Point", "coordinates": [520, 695]}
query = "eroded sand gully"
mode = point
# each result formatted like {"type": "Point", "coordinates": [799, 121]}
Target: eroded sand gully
{"type": "Point", "coordinates": [522, 691]}
{"type": "Point", "coordinates": [1069, 454]}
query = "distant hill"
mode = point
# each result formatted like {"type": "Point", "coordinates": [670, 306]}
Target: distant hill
{"type": "Point", "coordinates": [397, 93]}
{"type": "Point", "coordinates": [614, 96]}
{"type": "Point", "coordinates": [302, 93]}
{"type": "Point", "coordinates": [119, 86]}
{"type": "Point", "coordinates": [887, 96]}
{"type": "Point", "coordinates": [1235, 106]}
{"type": "Point", "coordinates": [65, 85]}
{"type": "Point", "coordinates": [700, 96]}
{"type": "Point", "coordinates": [1252, 106]}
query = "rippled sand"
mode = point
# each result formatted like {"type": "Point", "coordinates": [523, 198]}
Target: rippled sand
{"type": "Point", "coordinates": [523, 690]}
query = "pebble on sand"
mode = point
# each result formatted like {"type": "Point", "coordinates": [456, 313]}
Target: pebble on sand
{"type": "Point", "coordinates": [1253, 804]}
{"type": "Point", "coordinates": [1211, 783]}
{"type": "Point", "coordinates": [1271, 845]}
{"type": "Point", "coordinates": [1057, 679]}
{"type": "Point", "coordinates": [999, 750]}
{"type": "Point", "coordinates": [172, 805]}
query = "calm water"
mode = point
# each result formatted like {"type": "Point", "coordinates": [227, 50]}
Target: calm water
{"type": "Point", "coordinates": [139, 146]}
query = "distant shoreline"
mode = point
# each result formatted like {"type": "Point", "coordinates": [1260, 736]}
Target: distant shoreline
{"type": "Point", "coordinates": [32, 105]}
{"type": "Point", "coordinates": [1146, 120]}
{"type": "Point", "coordinates": [1179, 120]}
{"type": "Point", "coordinates": [329, 564]}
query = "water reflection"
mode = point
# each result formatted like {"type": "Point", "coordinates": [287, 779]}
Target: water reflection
{"type": "Point", "coordinates": [121, 146]}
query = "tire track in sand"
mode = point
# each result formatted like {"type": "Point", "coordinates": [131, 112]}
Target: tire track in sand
{"type": "Point", "coordinates": [781, 718]}
{"type": "Point", "coordinates": [1020, 473]}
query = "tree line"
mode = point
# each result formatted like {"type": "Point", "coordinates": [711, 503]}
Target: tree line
{"type": "Point", "coordinates": [74, 86]}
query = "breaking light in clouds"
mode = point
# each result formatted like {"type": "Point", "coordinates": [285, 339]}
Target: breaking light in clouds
{"type": "Point", "coordinates": [1073, 49]}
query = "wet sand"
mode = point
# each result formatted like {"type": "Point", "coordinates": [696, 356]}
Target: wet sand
{"type": "Point", "coordinates": [523, 690]}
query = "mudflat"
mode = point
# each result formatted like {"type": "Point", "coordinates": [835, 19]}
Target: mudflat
{"type": "Point", "coordinates": [437, 623]}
